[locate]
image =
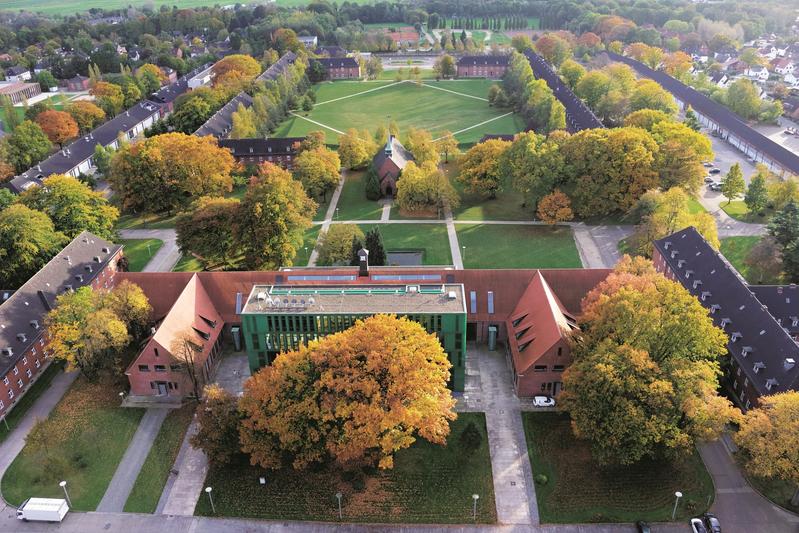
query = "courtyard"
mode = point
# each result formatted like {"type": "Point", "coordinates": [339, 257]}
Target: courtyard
{"type": "Point", "coordinates": [458, 106]}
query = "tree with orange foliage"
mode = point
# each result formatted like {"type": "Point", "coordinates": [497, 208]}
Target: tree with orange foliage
{"type": "Point", "coordinates": [109, 97]}
{"type": "Point", "coordinates": [677, 64]}
{"type": "Point", "coordinates": [553, 48]}
{"type": "Point", "coordinates": [86, 115]}
{"type": "Point", "coordinates": [242, 63]}
{"type": "Point", "coordinates": [59, 126]}
{"type": "Point", "coordinates": [355, 397]}
{"type": "Point", "coordinates": [555, 207]}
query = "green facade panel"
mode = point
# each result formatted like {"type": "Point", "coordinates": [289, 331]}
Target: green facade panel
{"type": "Point", "coordinates": [268, 334]}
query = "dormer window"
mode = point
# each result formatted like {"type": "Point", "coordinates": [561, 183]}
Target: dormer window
{"type": "Point", "coordinates": [795, 321]}
{"type": "Point", "coordinates": [746, 350]}
{"type": "Point", "coordinates": [674, 253]}
{"type": "Point", "coordinates": [724, 322]}
{"type": "Point", "coordinates": [34, 324]}
{"type": "Point", "coordinates": [21, 337]}
{"type": "Point", "coordinates": [735, 336]}
{"type": "Point", "coordinates": [758, 366]}
{"type": "Point", "coordinates": [666, 245]}
{"type": "Point", "coordinates": [697, 283]}
{"type": "Point", "coordinates": [688, 273]}
{"type": "Point", "coordinates": [714, 308]}
{"type": "Point", "coordinates": [771, 382]}
{"type": "Point", "coordinates": [680, 263]}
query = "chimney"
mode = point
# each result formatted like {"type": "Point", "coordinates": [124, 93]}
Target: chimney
{"type": "Point", "coordinates": [363, 262]}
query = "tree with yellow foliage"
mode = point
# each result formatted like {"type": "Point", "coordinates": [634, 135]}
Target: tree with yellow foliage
{"type": "Point", "coordinates": [218, 420]}
{"type": "Point", "coordinates": [769, 438]}
{"type": "Point", "coordinates": [242, 63]}
{"type": "Point", "coordinates": [355, 397]}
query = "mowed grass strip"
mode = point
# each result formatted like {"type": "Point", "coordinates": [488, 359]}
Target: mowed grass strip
{"type": "Point", "coordinates": [578, 490]}
{"type": "Point", "coordinates": [308, 244]}
{"type": "Point", "coordinates": [429, 484]}
{"type": "Point", "coordinates": [737, 209]}
{"type": "Point", "coordinates": [353, 204]}
{"type": "Point", "coordinates": [33, 393]}
{"type": "Point", "coordinates": [517, 246]}
{"type": "Point", "coordinates": [155, 470]}
{"type": "Point", "coordinates": [430, 239]}
{"type": "Point", "coordinates": [87, 435]}
{"type": "Point", "coordinates": [69, 7]}
{"type": "Point", "coordinates": [409, 105]}
{"type": "Point", "coordinates": [140, 251]}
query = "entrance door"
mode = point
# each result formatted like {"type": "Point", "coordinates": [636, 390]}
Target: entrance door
{"type": "Point", "coordinates": [162, 390]}
{"type": "Point", "coordinates": [557, 388]}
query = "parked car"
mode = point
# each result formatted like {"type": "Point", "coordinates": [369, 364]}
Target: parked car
{"type": "Point", "coordinates": [707, 164]}
{"type": "Point", "coordinates": [643, 527]}
{"type": "Point", "coordinates": [543, 401]}
{"type": "Point", "coordinates": [715, 187]}
{"type": "Point", "coordinates": [712, 523]}
{"type": "Point", "coordinates": [697, 526]}
{"type": "Point", "coordinates": [790, 131]}
{"type": "Point", "coordinates": [708, 179]}
{"type": "Point", "coordinates": [43, 510]}
{"type": "Point", "coordinates": [714, 171]}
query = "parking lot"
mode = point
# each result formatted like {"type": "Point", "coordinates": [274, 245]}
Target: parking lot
{"type": "Point", "coordinates": [778, 135]}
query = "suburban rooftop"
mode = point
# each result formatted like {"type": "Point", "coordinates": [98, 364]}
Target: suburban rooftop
{"type": "Point", "coordinates": [360, 299]}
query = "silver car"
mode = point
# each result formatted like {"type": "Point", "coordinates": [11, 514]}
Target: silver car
{"type": "Point", "coordinates": [543, 401]}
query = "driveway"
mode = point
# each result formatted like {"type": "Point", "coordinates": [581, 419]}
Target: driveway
{"type": "Point", "coordinates": [169, 254]}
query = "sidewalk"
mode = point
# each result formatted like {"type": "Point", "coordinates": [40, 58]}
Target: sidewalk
{"type": "Point", "coordinates": [331, 210]}
{"type": "Point", "coordinates": [167, 256]}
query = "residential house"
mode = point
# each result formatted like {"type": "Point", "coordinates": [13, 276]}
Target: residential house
{"type": "Point", "coordinates": [308, 41]}
{"type": "Point", "coordinates": [221, 122]}
{"type": "Point", "coordinates": [18, 74]}
{"type": "Point", "coordinates": [757, 72]}
{"type": "Point", "coordinates": [762, 351]}
{"type": "Point", "coordinates": [483, 66]}
{"type": "Point", "coordinates": [720, 79]}
{"type": "Point", "coordinates": [78, 83]}
{"type": "Point", "coordinates": [330, 51]}
{"type": "Point", "coordinates": [389, 163]}
{"type": "Point", "coordinates": [87, 261]}
{"type": "Point", "coordinates": [783, 66]}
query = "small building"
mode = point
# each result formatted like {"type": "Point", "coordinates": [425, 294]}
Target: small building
{"type": "Point", "coordinates": [78, 84]}
{"type": "Point", "coordinates": [308, 41]}
{"type": "Point", "coordinates": [87, 261]}
{"type": "Point", "coordinates": [200, 77]}
{"type": "Point", "coordinates": [757, 72]}
{"type": "Point", "coordinates": [18, 74]}
{"type": "Point", "coordinates": [483, 66]}
{"type": "Point", "coordinates": [330, 51]}
{"type": "Point", "coordinates": [170, 74]}
{"type": "Point", "coordinates": [19, 91]}
{"type": "Point", "coordinates": [783, 66]}
{"type": "Point", "coordinates": [279, 151]}
{"type": "Point", "coordinates": [338, 68]}
{"type": "Point", "coordinates": [389, 163]}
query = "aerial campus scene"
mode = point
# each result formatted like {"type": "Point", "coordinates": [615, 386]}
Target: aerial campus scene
{"type": "Point", "coordinates": [420, 265]}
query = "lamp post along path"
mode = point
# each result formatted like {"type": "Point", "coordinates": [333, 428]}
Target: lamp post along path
{"type": "Point", "coordinates": [677, 496]}
{"type": "Point", "coordinates": [210, 499]}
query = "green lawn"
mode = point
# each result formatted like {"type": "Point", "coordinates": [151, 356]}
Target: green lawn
{"type": "Point", "coordinates": [88, 434]}
{"type": "Point", "coordinates": [390, 74]}
{"type": "Point", "coordinates": [736, 249]}
{"type": "Point", "coordinates": [140, 251]}
{"type": "Point", "coordinates": [304, 253]}
{"type": "Point", "coordinates": [511, 246]}
{"type": "Point", "coordinates": [737, 209]}
{"type": "Point", "coordinates": [155, 470]}
{"type": "Point", "coordinates": [409, 105]}
{"type": "Point", "coordinates": [578, 490]}
{"type": "Point", "coordinates": [694, 206]}
{"type": "Point", "coordinates": [58, 101]}
{"type": "Point", "coordinates": [188, 263]}
{"type": "Point", "coordinates": [353, 204]}
{"type": "Point", "coordinates": [429, 484]}
{"type": "Point", "coordinates": [67, 7]}
{"type": "Point", "coordinates": [323, 204]}
{"type": "Point", "coordinates": [776, 490]}
{"type": "Point", "coordinates": [30, 397]}
{"type": "Point", "coordinates": [147, 221]}
{"type": "Point", "coordinates": [431, 239]}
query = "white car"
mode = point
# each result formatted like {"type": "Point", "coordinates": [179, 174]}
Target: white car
{"type": "Point", "coordinates": [697, 526]}
{"type": "Point", "coordinates": [543, 401]}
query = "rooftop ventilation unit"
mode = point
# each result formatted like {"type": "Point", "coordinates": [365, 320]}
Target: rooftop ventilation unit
{"type": "Point", "coordinates": [21, 337]}
{"type": "Point", "coordinates": [34, 324]}
{"type": "Point", "coordinates": [451, 295]}
{"type": "Point", "coordinates": [789, 363]}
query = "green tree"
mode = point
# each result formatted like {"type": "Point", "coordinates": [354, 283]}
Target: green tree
{"type": "Point", "coordinates": [765, 260]}
{"type": "Point", "coordinates": [742, 98]}
{"type": "Point", "coordinates": [46, 80]}
{"type": "Point", "coordinates": [592, 87]}
{"type": "Point", "coordinates": [372, 188]}
{"type": "Point", "coordinates": [756, 196]}
{"type": "Point", "coordinates": [72, 206]}
{"type": "Point", "coordinates": [191, 115]}
{"type": "Point", "coordinates": [648, 94]}
{"type": "Point", "coordinates": [420, 143]}
{"type": "Point", "coordinates": [650, 351]}
{"type": "Point", "coordinates": [784, 226]}
{"type": "Point", "coordinates": [335, 246]}
{"type": "Point", "coordinates": [374, 243]}
{"type": "Point", "coordinates": [205, 230]}
{"type": "Point", "coordinates": [6, 198]}
{"type": "Point", "coordinates": [356, 149]}
{"type": "Point", "coordinates": [26, 146]}
{"type": "Point", "coordinates": [572, 72]}
{"type": "Point", "coordinates": [274, 215]}
{"type": "Point", "coordinates": [691, 120]}
{"type": "Point", "coordinates": [425, 188]}
{"type": "Point", "coordinates": [535, 166]}
{"type": "Point", "coordinates": [243, 123]}
{"type": "Point", "coordinates": [733, 184]}
{"type": "Point", "coordinates": [102, 158]}
{"type": "Point", "coordinates": [28, 241]}
{"type": "Point", "coordinates": [12, 118]}
{"type": "Point", "coordinates": [444, 67]}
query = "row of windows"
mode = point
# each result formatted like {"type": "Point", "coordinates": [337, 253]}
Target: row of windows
{"type": "Point", "coordinates": [159, 368]}
{"type": "Point", "coordinates": [173, 385]}
{"type": "Point", "coordinates": [544, 368]}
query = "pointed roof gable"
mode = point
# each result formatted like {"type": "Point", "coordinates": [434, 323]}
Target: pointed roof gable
{"type": "Point", "coordinates": [193, 310]}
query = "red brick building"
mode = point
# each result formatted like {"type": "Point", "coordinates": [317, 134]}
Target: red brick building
{"type": "Point", "coordinates": [388, 163]}
{"type": "Point", "coordinates": [78, 83]}
{"type": "Point", "coordinates": [484, 66]}
{"type": "Point", "coordinates": [87, 261]}
{"type": "Point", "coordinates": [340, 68]}
{"type": "Point", "coordinates": [531, 312]}
{"type": "Point", "coordinates": [280, 151]}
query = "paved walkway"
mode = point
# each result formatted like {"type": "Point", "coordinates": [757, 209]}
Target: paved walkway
{"type": "Point", "coordinates": [452, 235]}
{"type": "Point", "coordinates": [386, 213]}
{"type": "Point", "coordinates": [128, 470]}
{"type": "Point", "coordinates": [331, 210]}
{"type": "Point", "coordinates": [169, 254]}
{"type": "Point", "coordinates": [739, 508]}
{"type": "Point", "coordinates": [514, 490]}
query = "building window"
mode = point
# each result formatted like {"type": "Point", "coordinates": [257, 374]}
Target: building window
{"type": "Point", "coordinates": [174, 368]}
{"type": "Point", "coordinates": [144, 368]}
{"type": "Point", "coordinates": [10, 394]}
{"type": "Point", "coordinates": [24, 360]}
{"type": "Point", "coordinates": [155, 350]}
{"type": "Point", "coordinates": [2, 404]}
{"type": "Point", "coordinates": [560, 350]}
{"type": "Point", "coordinates": [19, 383]}
{"type": "Point", "coordinates": [37, 363]}
{"type": "Point", "coordinates": [557, 368]}
{"type": "Point", "coordinates": [16, 371]}
{"type": "Point", "coordinates": [490, 302]}
{"type": "Point", "coordinates": [28, 373]}
{"type": "Point", "coordinates": [160, 368]}
{"type": "Point", "coordinates": [175, 385]}
{"type": "Point", "coordinates": [473, 302]}
{"type": "Point", "coordinates": [540, 368]}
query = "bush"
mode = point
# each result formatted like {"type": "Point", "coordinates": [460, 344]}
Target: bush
{"type": "Point", "coordinates": [471, 438]}
{"type": "Point", "coordinates": [541, 479]}
{"type": "Point", "coordinates": [372, 185]}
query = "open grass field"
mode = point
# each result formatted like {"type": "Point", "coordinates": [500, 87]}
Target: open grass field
{"type": "Point", "coordinates": [511, 246]}
{"type": "Point", "coordinates": [431, 239]}
{"type": "Point", "coordinates": [187, 263]}
{"type": "Point", "coordinates": [140, 251]}
{"type": "Point", "coordinates": [737, 209]}
{"type": "Point", "coordinates": [429, 484]}
{"type": "Point", "coordinates": [31, 395]}
{"type": "Point", "coordinates": [58, 101]}
{"type": "Point", "coordinates": [146, 221]}
{"type": "Point", "coordinates": [86, 435]}
{"type": "Point", "coordinates": [579, 491]}
{"type": "Point", "coordinates": [457, 106]}
{"type": "Point", "coordinates": [694, 206]}
{"type": "Point", "coordinates": [155, 470]}
{"type": "Point", "coordinates": [353, 204]}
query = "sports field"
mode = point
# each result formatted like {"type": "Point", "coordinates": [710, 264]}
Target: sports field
{"type": "Point", "coordinates": [459, 106]}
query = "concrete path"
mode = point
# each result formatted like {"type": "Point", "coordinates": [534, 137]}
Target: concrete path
{"type": "Point", "coordinates": [385, 215]}
{"type": "Point", "coordinates": [128, 469]}
{"type": "Point", "coordinates": [331, 210]}
{"type": "Point", "coordinates": [599, 245]}
{"type": "Point", "coordinates": [452, 235]}
{"type": "Point", "coordinates": [167, 257]}
{"type": "Point", "coordinates": [740, 509]}
{"type": "Point", "coordinates": [514, 489]}
{"type": "Point", "coordinates": [41, 408]}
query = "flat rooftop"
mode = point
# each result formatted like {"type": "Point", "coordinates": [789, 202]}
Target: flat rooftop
{"type": "Point", "coordinates": [355, 299]}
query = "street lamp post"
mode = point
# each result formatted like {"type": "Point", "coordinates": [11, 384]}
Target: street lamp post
{"type": "Point", "coordinates": [63, 485]}
{"type": "Point", "coordinates": [338, 497]}
{"type": "Point", "coordinates": [677, 496]}
{"type": "Point", "coordinates": [210, 499]}
{"type": "Point", "coordinates": [337, 213]}
{"type": "Point", "coordinates": [463, 254]}
{"type": "Point", "coordinates": [475, 497]}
